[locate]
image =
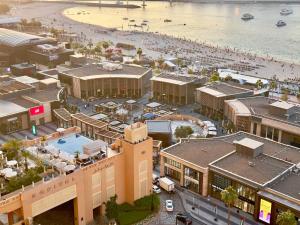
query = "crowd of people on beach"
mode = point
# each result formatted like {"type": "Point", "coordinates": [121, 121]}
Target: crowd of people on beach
{"type": "Point", "coordinates": [155, 45]}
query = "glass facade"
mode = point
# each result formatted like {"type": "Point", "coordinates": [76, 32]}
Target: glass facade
{"type": "Point", "coordinates": [246, 195]}
{"type": "Point", "coordinates": [172, 173]}
{"type": "Point", "coordinates": [193, 180]}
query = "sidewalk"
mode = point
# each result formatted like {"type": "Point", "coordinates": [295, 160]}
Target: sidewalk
{"type": "Point", "coordinates": [204, 210]}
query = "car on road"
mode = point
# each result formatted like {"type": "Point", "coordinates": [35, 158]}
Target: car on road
{"type": "Point", "coordinates": [156, 189]}
{"type": "Point", "coordinates": [169, 205]}
{"type": "Point", "coordinates": [184, 218]}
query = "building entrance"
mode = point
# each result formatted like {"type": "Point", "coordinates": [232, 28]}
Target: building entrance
{"type": "Point", "coordinates": [60, 215]}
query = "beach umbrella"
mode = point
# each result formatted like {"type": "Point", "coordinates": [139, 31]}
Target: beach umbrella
{"type": "Point", "coordinates": [60, 130]}
{"type": "Point", "coordinates": [69, 168]}
{"type": "Point", "coordinates": [5, 170]}
{"type": "Point", "coordinates": [11, 163]}
{"type": "Point", "coordinates": [60, 165]}
{"type": "Point", "coordinates": [11, 174]}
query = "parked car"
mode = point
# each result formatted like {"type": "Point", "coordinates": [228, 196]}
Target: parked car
{"type": "Point", "coordinates": [156, 189]}
{"type": "Point", "coordinates": [169, 205]}
{"type": "Point", "coordinates": [184, 218]}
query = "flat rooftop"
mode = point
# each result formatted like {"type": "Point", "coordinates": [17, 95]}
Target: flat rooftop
{"type": "Point", "coordinates": [176, 78]}
{"type": "Point", "coordinates": [10, 108]}
{"type": "Point", "coordinates": [259, 170]}
{"type": "Point", "coordinates": [94, 71]}
{"type": "Point", "coordinates": [221, 89]}
{"type": "Point", "coordinates": [8, 85]}
{"type": "Point", "coordinates": [203, 151]}
{"type": "Point", "coordinates": [289, 186]}
{"type": "Point", "coordinates": [260, 106]}
{"type": "Point", "coordinates": [47, 95]}
{"type": "Point", "coordinates": [159, 126]}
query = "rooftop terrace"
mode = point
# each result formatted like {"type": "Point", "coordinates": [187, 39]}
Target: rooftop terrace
{"type": "Point", "coordinates": [221, 89]}
{"type": "Point", "coordinates": [93, 71]}
{"type": "Point", "coordinates": [176, 78]}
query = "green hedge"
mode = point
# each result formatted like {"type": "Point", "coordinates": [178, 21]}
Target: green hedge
{"type": "Point", "coordinates": [130, 214]}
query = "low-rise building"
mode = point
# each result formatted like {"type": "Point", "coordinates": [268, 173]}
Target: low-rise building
{"type": "Point", "coordinates": [253, 165]}
{"type": "Point", "coordinates": [106, 80]}
{"type": "Point", "coordinates": [265, 117]}
{"type": "Point", "coordinates": [26, 104]}
{"type": "Point", "coordinates": [124, 169]}
{"type": "Point", "coordinates": [211, 97]}
{"type": "Point", "coordinates": [175, 89]}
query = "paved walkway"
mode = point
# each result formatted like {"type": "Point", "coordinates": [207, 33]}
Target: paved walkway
{"type": "Point", "coordinates": [203, 209]}
{"type": "Point", "coordinates": [42, 130]}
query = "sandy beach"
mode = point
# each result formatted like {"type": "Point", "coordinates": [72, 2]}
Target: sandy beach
{"type": "Point", "coordinates": [156, 45]}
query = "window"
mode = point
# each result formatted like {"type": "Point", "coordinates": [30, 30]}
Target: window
{"type": "Point", "coordinates": [173, 163]}
{"type": "Point", "coordinates": [172, 173]}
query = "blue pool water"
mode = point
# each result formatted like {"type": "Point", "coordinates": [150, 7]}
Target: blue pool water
{"type": "Point", "coordinates": [71, 143]}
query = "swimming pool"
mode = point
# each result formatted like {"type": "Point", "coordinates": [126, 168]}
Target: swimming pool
{"type": "Point", "coordinates": [70, 143]}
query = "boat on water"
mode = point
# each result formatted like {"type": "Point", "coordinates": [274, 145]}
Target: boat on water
{"type": "Point", "coordinates": [247, 16]}
{"type": "Point", "coordinates": [286, 12]}
{"type": "Point", "coordinates": [167, 20]}
{"type": "Point", "coordinates": [280, 23]}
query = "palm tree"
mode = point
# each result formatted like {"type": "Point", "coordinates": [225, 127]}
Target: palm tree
{"type": "Point", "coordinates": [273, 85]}
{"type": "Point", "coordinates": [90, 44]}
{"type": "Point", "coordinates": [286, 218]}
{"type": "Point", "coordinates": [215, 77]}
{"type": "Point", "coordinates": [139, 52]}
{"type": "Point", "coordinates": [25, 154]}
{"type": "Point", "coordinates": [12, 148]}
{"type": "Point", "coordinates": [259, 84]}
{"type": "Point", "coordinates": [229, 196]}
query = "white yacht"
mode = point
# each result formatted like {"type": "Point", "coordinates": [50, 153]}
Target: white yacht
{"type": "Point", "coordinates": [286, 12]}
{"type": "Point", "coordinates": [247, 16]}
{"type": "Point", "coordinates": [281, 23]}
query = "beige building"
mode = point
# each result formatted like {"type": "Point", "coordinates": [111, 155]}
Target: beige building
{"type": "Point", "coordinates": [211, 97]}
{"type": "Point", "coordinates": [261, 170]}
{"type": "Point", "coordinates": [265, 117]}
{"type": "Point", "coordinates": [175, 89]}
{"type": "Point", "coordinates": [106, 80]}
{"type": "Point", "coordinates": [126, 171]}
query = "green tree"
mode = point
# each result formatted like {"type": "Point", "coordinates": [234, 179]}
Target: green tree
{"type": "Point", "coordinates": [228, 78]}
{"type": "Point", "coordinates": [139, 52]}
{"type": "Point", "coordinates": [273, 85]}
{"type": "Point", "coordinates": [259, 84]}
{"type": "Point", "coordinates": [111, 209]}
{"type": "Point", "coordinates": [285, 95]}
{"type": "Point", "coordinates": [12, 149]}
{"type": "Point", "coordinates": [105, 44]}
{"type": "Point", "coordinates": [229, 197]}
{"type": "Point", "coordinates": [286, 218]}
{"type": "Point", "coordinates": [25, 155]}
{"type": "Point", "coordinates": [90, 44]}
{"type": "Point", "coordinates": [190, 71]}
{"type": "Point", "coordinates": [215, 77]}
{"type": "Point", "coordinates": [183, 131]}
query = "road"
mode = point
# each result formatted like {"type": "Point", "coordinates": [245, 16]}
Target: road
{"type": "Point", "coordinates": [168, 218]}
